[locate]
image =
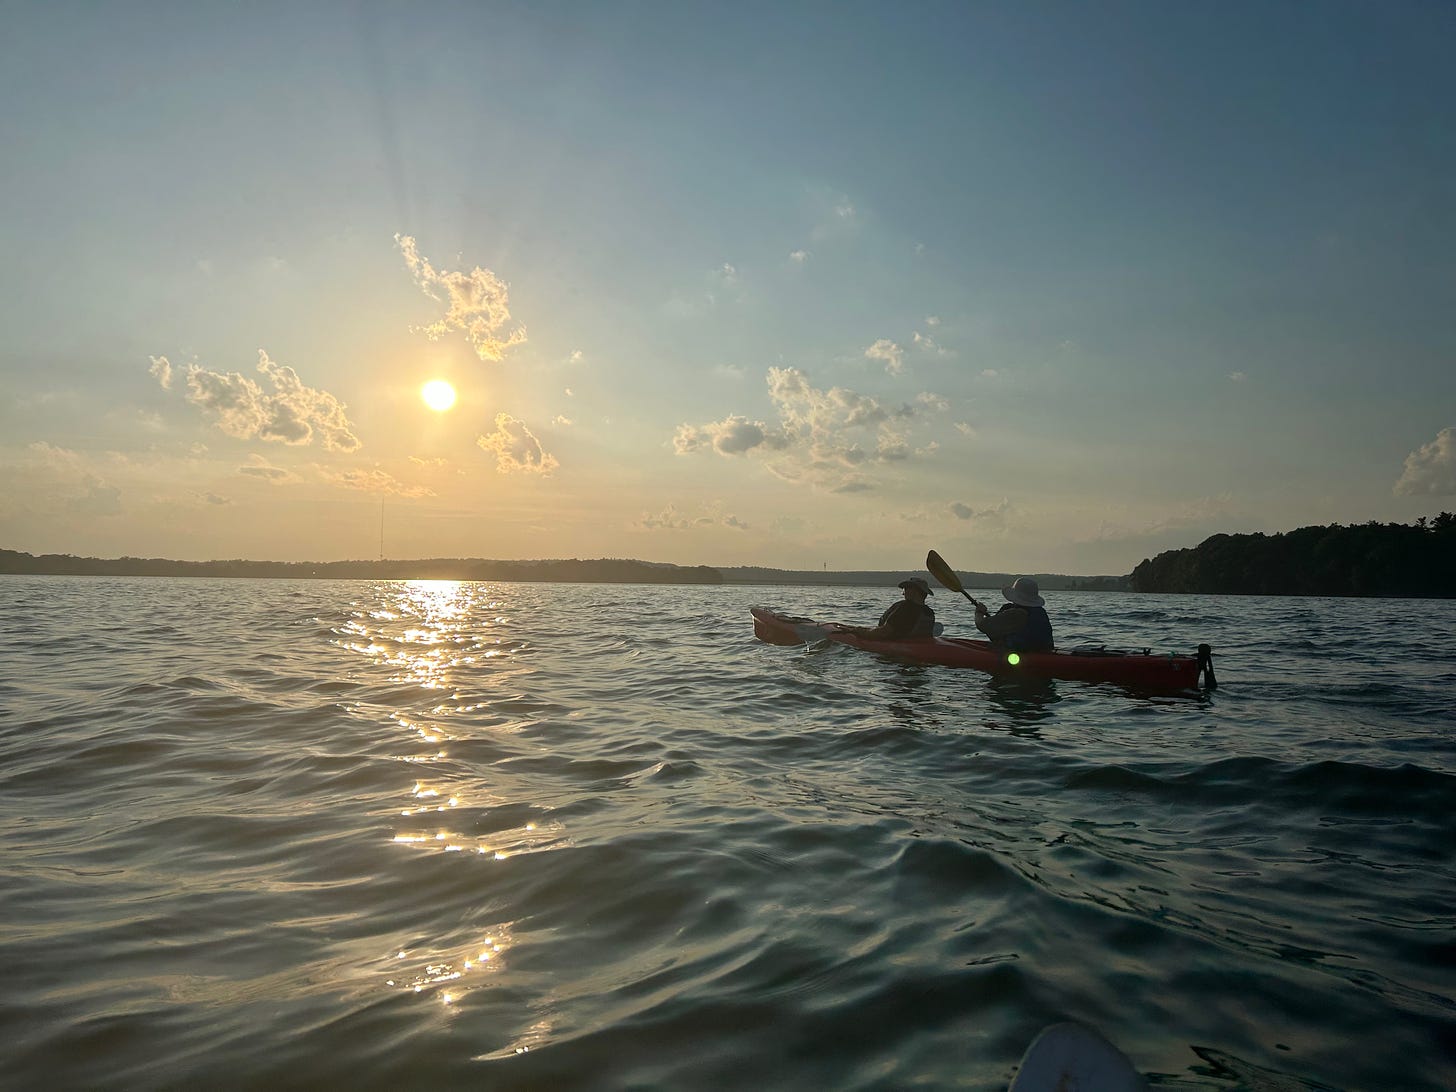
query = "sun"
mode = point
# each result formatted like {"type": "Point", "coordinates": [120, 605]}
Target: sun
{"type": "Point", "coordinates": [438, 395]}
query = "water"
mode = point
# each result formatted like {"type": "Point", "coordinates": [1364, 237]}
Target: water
{"type": "Point", "coordinates": [421, 835]}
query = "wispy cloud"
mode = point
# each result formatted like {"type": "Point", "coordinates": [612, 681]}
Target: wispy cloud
{"type": "Point", "coordinates": [259, 467]}
{"type": "Point", "coordinates": [927, 344]}
{"type": "Point", "coordinates": [1430, 470]}
{"type": "Point", "coordinates": [161, 371]}
{"type": "Point", "coordinates": [376, 481]}
{"type": "Point", "coordinates": [1184, 524]}
{"type": "Point", "coordinates": [887, 351]}
{"type": "Point", "coordinates": [670, 519]}
{"type": "Point", "coordinates": [291, 413]}
{"type": "Point", "coordinates": [833, 215]}
{"type": "Point", "coordinates": [477, 303]}
{"type": "Point", "coordinates": [994, 518]}
{"type": "Point", "coordinates": [59, 481]}
{"type": "Point", "coordinates": [516, 448]}
{"type": "Point", "coordinates": [798, 257]}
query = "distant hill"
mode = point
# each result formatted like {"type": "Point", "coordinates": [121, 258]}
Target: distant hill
{"type": "Point", "coordinates": [1371, 559]}
{"type": "Point", "coordinates": [599, 571]}
{"type": "Point", "coordinates": [749, 574]}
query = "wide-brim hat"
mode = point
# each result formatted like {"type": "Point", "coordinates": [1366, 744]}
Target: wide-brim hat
{"type": "Point", "coordinates": [917, 582]}
{"type": "Point", "coordinates": [1024, 593]}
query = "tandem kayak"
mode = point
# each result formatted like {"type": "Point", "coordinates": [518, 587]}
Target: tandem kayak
{"type": "Point", "coordinates": [1142, 671]}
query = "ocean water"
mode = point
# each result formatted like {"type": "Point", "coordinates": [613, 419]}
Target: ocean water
{"type": "Point", "coordinates": [511, 836]}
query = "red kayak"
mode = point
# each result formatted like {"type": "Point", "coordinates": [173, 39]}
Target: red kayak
{"type": "Point", "coordinates": [1141, 671]}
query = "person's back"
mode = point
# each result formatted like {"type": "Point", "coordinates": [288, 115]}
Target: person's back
{"type": "Point", "coordinates": [911, 617]}
{"type": "Point", "coordinates": [1022, 624]}
{"type": "Point", "coordinates": [907, 619]}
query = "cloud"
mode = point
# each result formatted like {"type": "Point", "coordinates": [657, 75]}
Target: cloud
{"type": "Point", "coordinates": [799, 257]}
{"type": "Point", "coordinates": [576, 357]}
{"type": "Point", "coordinates": [161, 370]}
{"type": "Point", "coordinates": [377, 481]}
{"type": "Point", "coordinates": [731, 436]}
{"type": "Point", "coordinates": [515, 448]}
{"type": "Point", "coordinates": [1186, 524]}
{"type": "Point", "coordinates": [932, 320]}
{"type": "Point", "coordinates": [1430, 470]}
{"type": "Point", "coordinates": [826, 438]}
{"type": "Point", "coordinates": [670, 519]}
{"type": "Point", "coordinates": [964, 429]}
{"type": "Point", "coordinates": [928, 344]}
{"type": "Point", "coordinates": [724, 284]}
{"type": "Point", "coordinates": [986, 519]}
{"type": "Point", "coordinates": [57, 480]}
{"type": "Point", "coordinates": [213, 498]}
{"type": "Point", "coordinates": [1238, 377]}
{"type": "Point", "coordinates": [892, 449]}
{"type": "Point", "coordinates": [833, 215]}
{"type": "Point", "coordinates": [259, 467]}
{"type": "Point", "coordinates": [562, 421]}
{"type": "Point", "coordinates": [890, 353]}
{"type": "Point", "coordinates": [291, 413]}
{"type": "Point", "coordinates": [478, 304]}
{"type": "Point", "coordinates": [938, 403]}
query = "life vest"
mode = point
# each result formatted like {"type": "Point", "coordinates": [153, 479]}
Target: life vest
{"type": "Point", "coordinates": [1036, 635]}
{"type": "Point", "coordinates": [924, 618]}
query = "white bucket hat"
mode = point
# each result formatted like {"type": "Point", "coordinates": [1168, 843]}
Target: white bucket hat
{"type": "Point", "coordinates": [1024, 593]}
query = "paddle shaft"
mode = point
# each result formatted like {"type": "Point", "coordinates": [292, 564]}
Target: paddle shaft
{"type": "Point", "coordinates": [947, 577]}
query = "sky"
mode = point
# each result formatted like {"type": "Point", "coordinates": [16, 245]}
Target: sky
{"type": "Point", "coordinates": [1045, 287]}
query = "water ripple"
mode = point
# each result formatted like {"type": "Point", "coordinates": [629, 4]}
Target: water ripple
{"type": "Point", "coordinates": [407, 835]}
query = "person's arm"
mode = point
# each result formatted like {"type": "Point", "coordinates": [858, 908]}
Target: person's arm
{"type": "Point", "coordinates": [1001, 623]}
{"type": "Point", "coordinates": [893, 628]}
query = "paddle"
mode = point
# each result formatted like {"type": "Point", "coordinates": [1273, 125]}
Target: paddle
{"type": "Point", "coordinates": [946, 575]}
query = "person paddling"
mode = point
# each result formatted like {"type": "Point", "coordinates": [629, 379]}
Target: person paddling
{"type": "Point", "coordinates": [1021, 624]}
{"type": "Point", "coordinates": [908, 618]}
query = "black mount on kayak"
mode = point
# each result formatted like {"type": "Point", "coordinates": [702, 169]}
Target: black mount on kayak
{"type": "Point", "coordinates": [1205, 667]}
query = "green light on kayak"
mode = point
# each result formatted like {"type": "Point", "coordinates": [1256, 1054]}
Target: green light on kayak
{"type": "Point", "coordinates": [1013, 658]}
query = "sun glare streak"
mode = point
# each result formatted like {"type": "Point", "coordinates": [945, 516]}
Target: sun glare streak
{"type": "Point", "coordinates": [438, 395]}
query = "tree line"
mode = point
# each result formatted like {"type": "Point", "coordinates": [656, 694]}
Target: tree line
{"type": "Point", "coordinates": [600, 571]}
{"type": "Point", "coordinates": [1367, 559]}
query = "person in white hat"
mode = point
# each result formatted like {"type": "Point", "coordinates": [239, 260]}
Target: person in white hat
{"type": "Point", "coordinates": [1021, 624]}
{"type": "Point", "coordinates": [908, 618]}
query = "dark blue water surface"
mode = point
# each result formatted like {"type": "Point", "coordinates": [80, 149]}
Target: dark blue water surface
{"type": "Point", "coordinates": [419, 835]}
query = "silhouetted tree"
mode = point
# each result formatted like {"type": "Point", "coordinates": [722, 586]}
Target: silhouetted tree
{"type": "Point", "coordinates": [1374, 558]}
